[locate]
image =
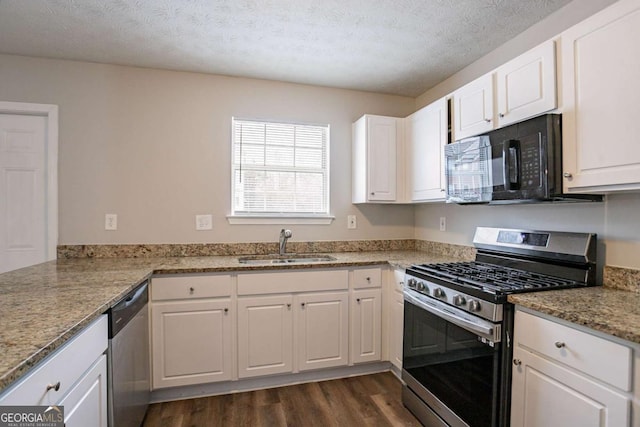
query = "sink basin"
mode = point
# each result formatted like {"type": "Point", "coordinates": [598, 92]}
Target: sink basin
{"type": "Point", "coordinates": [284, 259]}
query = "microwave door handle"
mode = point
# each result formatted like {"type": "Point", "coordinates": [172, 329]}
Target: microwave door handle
{"type": "Point", "coordinates": [510, 174]}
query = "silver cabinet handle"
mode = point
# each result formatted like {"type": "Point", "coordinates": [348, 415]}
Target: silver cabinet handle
{"type": "Point", "coordinates": [559, 344]}
{"type": "Point", "coordinates": [501, 115]}
{"type": "Point", "coordinates": [226, 310]}
{"type": "Point", "coordinates": [288, 305]}
{"type": "Point", "coordinates": [358, 300]}
{"type": "Point", "coordinates": [191, 290]}
{"type": "Point", "coordinates": [373, 194]}
{"type": "Point", "coordinates": [55, 386]}
{"type": "Point", "coordinates": [369, 279]}
{"type": "Point", "coordinates": [487, 120]}
{"type": "Point", "coordinates": [567, 175]}
{"type": "Point", "coordinates": [517, 362]}
{"type": "Point", "coordinates": [302, 304]}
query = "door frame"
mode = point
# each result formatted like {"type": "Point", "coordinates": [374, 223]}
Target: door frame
{"type": "Point", "coordinates": [50, 113]}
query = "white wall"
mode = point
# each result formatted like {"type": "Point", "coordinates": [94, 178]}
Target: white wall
{"type": "Point", "coordinates": [154, 147]}
{"type": "Point", "coordinates": [614, 220]}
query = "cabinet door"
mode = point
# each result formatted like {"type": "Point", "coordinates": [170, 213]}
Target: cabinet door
{"type": "Point", "coordinates": [397, 320]}
{"type": "Point", "coordinates": [381, 155]}
{"type": "Point", "coordinates": [366, 325]}
{"type": "Point", "coordinates": [86, 403]}
{"type": "Point", "coordinates": [191, 342]}
{"type": "Point", "coordinates": [526, 86]}
{"type": "Point", "coordinates": [426, 136]}
{"type": "Point", "coordinates": [473, 108]}
{"type": "Point", "coordinates": [547, 395]}
{"type": "Point", "coordinates": [265, 335]}
{"type": "Point", "coordinates": [322, 321]}
{"type": "Point", "coordinates": [600, 63]}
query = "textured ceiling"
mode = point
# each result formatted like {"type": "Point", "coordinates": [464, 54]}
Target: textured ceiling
{"type": "Point", "coordinates": [390, 46]}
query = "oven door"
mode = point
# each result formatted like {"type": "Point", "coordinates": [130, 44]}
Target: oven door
{"type": "Point", "coordinates": [452, 362]}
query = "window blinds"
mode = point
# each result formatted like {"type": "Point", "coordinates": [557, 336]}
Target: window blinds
{"type": "Point", "coordinates": [280, 168]}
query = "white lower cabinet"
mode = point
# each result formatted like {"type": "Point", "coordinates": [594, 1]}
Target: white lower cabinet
{"type": "Point", "coordinates": [396, 321]}
{"type": "Point", "coordinates": [191, 342]}
{"type": "Point", "coordinates": [323, 330]}
{"type": "Point", "coordinates": [564, 377]}
{"type": "Point", "coordinates": [265, 335]}
{"type": "Point", "coordinates": [191, 330]}
{"type": "Point", "coordinates": [266, 342]}
{"type": "Point", "coordinates": [86, 404]}
{"type": "Point", "coordinates": [366, 325]}
{"type": "Point", "coordinates": [73, 376]}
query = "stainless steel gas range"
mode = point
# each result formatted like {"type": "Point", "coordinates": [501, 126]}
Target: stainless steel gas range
{"type": "Point", "coordinates": [458, 325]}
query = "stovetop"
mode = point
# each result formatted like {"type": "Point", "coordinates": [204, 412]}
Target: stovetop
{"type": "Point", "coordinates": [494, 279]}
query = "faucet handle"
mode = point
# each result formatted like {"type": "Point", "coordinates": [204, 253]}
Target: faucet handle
{"type": "Point", "coordinates": [286, 233]}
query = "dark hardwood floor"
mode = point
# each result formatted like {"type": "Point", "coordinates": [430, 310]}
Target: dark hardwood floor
{"type": "Point", "coordinates": [368, 400]}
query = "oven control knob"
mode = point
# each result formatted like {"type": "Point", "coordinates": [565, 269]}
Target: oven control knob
{"type": "Point", "coordinates": [474, 305]}
{"type": "Point", "coordinates": [412, 283]}
{"type": "Point", "coordinates": [421, 287]}
{"type": "Point", "coordinates": [438, 293]}
{"type": "Point", "coordinates": [459, 300]}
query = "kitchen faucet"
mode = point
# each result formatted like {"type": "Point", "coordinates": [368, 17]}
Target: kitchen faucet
{"type": "Point", "coordinates": [284, 236]}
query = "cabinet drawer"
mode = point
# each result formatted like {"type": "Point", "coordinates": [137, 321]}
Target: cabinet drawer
{"type": "Point", "coordinates": [190, 286]}
{"type": "Point", "coordinates": [605, 360]}
{"type": "Point", "coordinates": [367, 278]}
{"type": "Point", "coordinates": [292, 281]}
{"type": "Point", "coordinates": [65, 366]}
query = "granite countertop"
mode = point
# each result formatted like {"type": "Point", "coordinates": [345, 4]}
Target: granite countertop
{"type": "Point", "coordinates": [43, 306]}
{"type": "Point", "coordinates": [612, 311]}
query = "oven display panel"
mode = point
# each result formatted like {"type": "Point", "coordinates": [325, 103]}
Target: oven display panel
{"type": "Point", "coordinates": [523, 238]}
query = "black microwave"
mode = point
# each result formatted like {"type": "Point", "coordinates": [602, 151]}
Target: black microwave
{"type": "Point", "coordinates": [515, 164]}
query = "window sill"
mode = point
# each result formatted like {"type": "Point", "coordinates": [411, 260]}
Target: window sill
{"type": "Point", "coordinates": [279, 219]}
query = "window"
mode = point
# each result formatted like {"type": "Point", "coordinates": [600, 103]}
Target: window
{"type": "Point", "coordinates": [280, 169]}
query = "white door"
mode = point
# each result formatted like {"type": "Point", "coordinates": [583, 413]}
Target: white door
{"type": "Point", "coordinates": [426, 138]}
{"type": "Point", "coordinates": [86, 404]}
{"type": "Point", "coordinates": [545, 394]}
{"type": "Point", "coordinates": [191, 342]}
{"type": "Point", "coordinates": [23, 191]}
{"type": "Point", "coordinates": [366, 325]}
{"type": "Point", "coordinates": [323, 331]}
{"type": "Point", "coordinates": [473, 108]}
{"type": "Point", "coordinates": [526, 86]}
{"type": "Point", "coordinates": [382, 149]}
{"type": "Point", "coordinates": [265, 335]}
{"type": "Point", "coordinates": [600, 126]}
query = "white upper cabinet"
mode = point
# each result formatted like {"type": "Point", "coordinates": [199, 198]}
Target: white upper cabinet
{"type": "Point", "coordinates": [375, 146]}
{"type": "Point", "coordinates": [600, 87]}
{"type": "Point", "coordinates": [473, 108]}
{"type": "Point", "coordinates": [523, 87]}
{"type": "Point", "coordinates": [526, 86]}
{"type": "Point", "coordinates": [425, 137]}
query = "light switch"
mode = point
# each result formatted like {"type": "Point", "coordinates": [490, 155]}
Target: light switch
{"type": "Point", "coordinates": [351, 222]}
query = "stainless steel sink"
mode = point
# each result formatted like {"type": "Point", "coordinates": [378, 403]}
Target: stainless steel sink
{"type": "Point", "coordinates": [284, 259]}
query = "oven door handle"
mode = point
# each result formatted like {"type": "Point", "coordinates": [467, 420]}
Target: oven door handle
{"type": "Point", "coordinates": [492, 333]}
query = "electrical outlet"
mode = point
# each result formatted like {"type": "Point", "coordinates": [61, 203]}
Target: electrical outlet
{"type": "Point", "coordinates": [110, 222]}
{"type": "Point", "coordinates": [443, 223]}
{"type": "Point", "coordinates": [204, 222]}
{"type": "Point", "coordinates": [351, 222]}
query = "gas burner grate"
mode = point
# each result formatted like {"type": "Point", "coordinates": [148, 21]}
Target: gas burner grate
{"type": "Point", "coordinates": [494, 278]}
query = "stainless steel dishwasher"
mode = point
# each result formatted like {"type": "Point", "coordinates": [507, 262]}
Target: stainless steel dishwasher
{"type": "Point", "coordinates": [128, 356]}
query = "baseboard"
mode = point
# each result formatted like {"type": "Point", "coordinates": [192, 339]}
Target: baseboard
{"type": "Point", "coordinates": [250, 384]}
